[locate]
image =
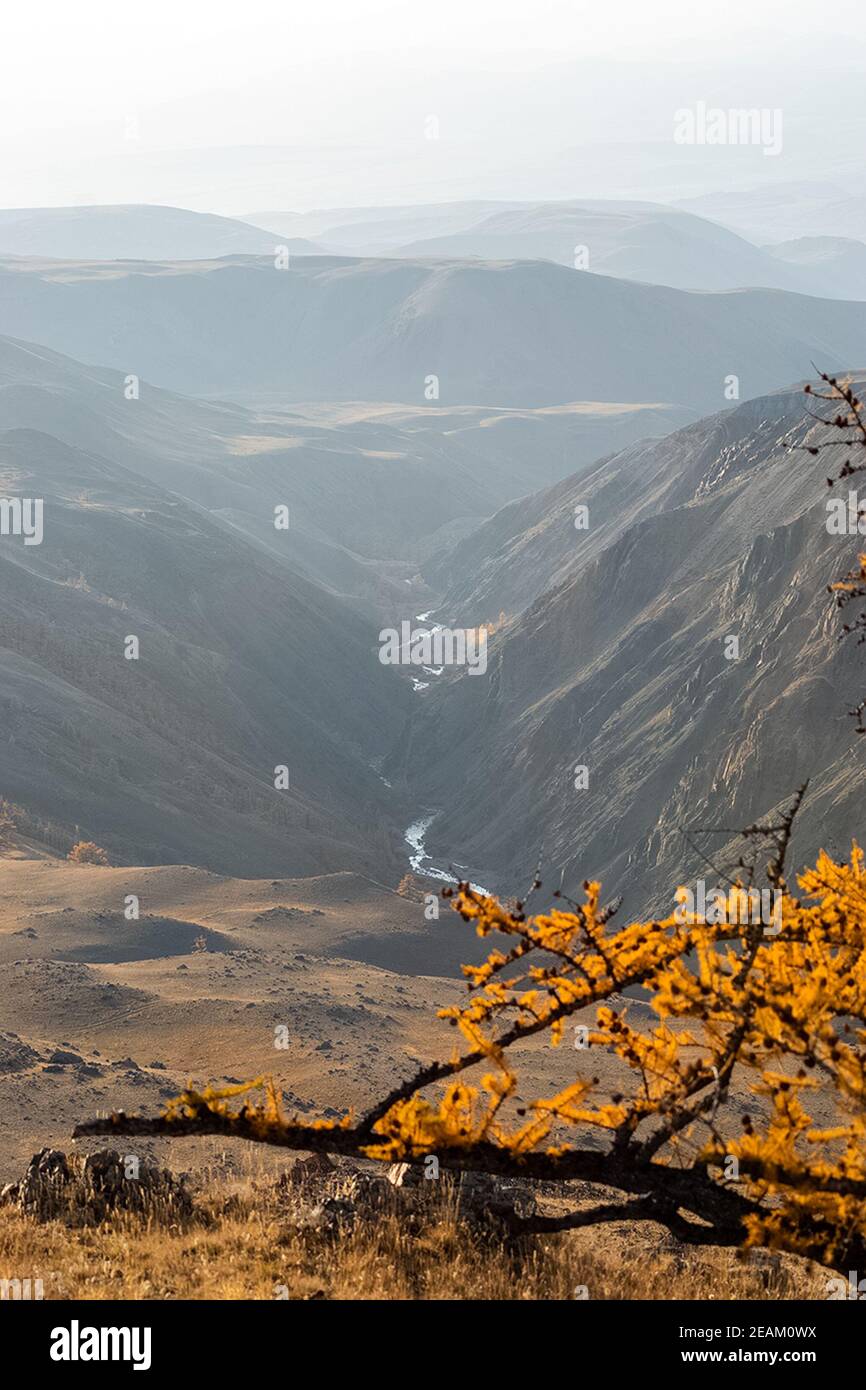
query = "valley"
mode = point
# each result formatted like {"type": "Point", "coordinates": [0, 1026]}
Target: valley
{"type": "Point", "coordinates": [467, 514]}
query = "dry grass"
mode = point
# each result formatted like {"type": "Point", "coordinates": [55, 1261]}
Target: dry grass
{"type": "Point", "coordinates": [246, 1244]}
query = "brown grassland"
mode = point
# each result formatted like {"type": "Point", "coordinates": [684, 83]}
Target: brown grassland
{"type": "Point", "coordinates": [244, 1243]}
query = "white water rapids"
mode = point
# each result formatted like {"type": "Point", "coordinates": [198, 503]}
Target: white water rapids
{"type": "Point", "coordinates": [419, 859]}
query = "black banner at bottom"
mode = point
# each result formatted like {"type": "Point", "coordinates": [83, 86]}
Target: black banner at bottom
{"type": "Point", "coordinates": [61, 1339]}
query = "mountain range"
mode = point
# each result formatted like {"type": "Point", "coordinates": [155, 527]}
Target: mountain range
{"type": "Point", "coordinates": [138, 231]}
{"type": "Point", "coordinates": [524, 334]}
{"type": "Point", "coordinates": [372, 490]}
{"type": "Point", "coordinates": [164, 410]}
{"type": "Point", "coordinates": [650, 242]}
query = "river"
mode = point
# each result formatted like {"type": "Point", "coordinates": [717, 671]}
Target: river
{"type": "Point", "coordinates": [414, 836]}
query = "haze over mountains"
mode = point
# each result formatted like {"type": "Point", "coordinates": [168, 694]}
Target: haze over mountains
{"type": "Point", "coordinates": [734, 246]}
{"type": "Point", "coordinates": [135, 232]}
{"type": "Point", "coordinates": [431, 412]}
{"type": "Point", "coordinates": [838, 264]}
{"type": "Point", "coordinates": [376, 231]}
{"type": "Point", "coordinates": [372, 489]}
{"type": "Point", "coordinates": [510, 333]}
{"type": "Point", "coordinates": [160, 523]}
{"type": "Point", "coordinates": [777, 212]}
{"type": "Point", "coordinates": [650, 242]}
{"type": "Point", "coordinates": [633, 241]}
{"type": "Point", "coordinates": [662, 246]}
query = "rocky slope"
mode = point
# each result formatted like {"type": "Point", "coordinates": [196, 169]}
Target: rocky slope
{"type": "Point", "coordinates": [621, 662]}
{"type": "Point", "coordinates": [242, 666]}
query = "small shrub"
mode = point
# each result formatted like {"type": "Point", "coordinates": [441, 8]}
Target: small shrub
{"type": "Point", "coordinates": [86, 852]}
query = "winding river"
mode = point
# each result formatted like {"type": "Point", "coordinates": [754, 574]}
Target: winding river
{"type": "Point", "coordinates": [420, 861]}
{"type": "Point", "coordinates": [415, 834]}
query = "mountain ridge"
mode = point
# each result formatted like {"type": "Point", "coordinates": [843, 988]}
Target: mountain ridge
{"type": "Point", "coordinates": [526, 334]}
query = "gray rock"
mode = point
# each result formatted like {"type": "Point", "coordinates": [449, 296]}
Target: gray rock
{"type": "Point", "coordinates": [83, 1191]}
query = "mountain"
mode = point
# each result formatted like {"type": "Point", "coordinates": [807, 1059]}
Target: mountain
{"type": "Point", "coordinates": [649, 242]}
{"type": "Point", "coordinates": [835, 265]}
{"type": "Point", "coordinates": [376, 231]}
{"type": "Point", "coordinates": [533, 544]}
{"type": "Point", "coordinates": [243, 666]}
{"type": "Point", "coordinates": [782, 211]}
{"type": "Point", "coordinates": [138, 231]}
{"type": "Point", "coordinates": [372, 490]}
{"type": "Point", "coordinates": [633, 241]}
{"type": "Point", "coordinates": [517, 334]}
{"type": "Point", "coordinates": [617, 662]}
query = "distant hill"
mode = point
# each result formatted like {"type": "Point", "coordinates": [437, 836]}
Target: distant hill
{"type": "Point", "coordinates": [650, 242]}
{"type": "Point", "coordinates": [782, 211]}
{"type": "Point", "coordinates": [634, 241]}
{"type": "Point", "coordinates": [524, 334]}
{"type": "Point", "coordinates": [835, 265]}
{"type": "Point", "coordinates": [373, 231]}
{"type": "Point", "coordinates": [138, 231]}
{"type": "Point", "coordinates": [372, 490]}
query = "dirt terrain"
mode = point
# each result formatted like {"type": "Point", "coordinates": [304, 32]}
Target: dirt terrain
{"type": "Point", "coordinates": [100, 1013]}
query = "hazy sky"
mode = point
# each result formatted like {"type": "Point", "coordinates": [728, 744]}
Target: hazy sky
{"type": "Point", "coordinates": [103, 102]}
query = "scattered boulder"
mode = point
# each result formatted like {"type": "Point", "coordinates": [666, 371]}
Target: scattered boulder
{"type": "Point", "coordinates": [326, 1196]}
{"type": "Point", "coordinates": [84, 1191]}
{"type": "Point", "coordinates": [16, 1055]}
{"type": "Point", "coordinates": [480, 1194]}
{"type": "Point", "coordinates": [333, 1215]}
{"type": "Point", "coordinates": [314, 1169]}
{"type": "Point", "coordinates": [41, 1187]}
